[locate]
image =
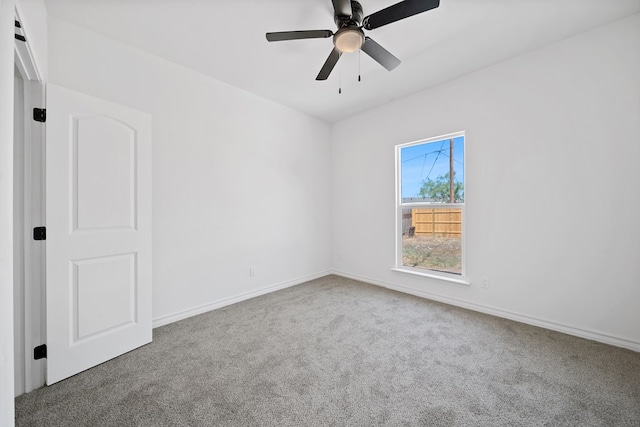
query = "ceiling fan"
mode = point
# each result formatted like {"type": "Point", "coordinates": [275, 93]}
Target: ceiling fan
{"type": "Point", "coordinates": [350, 35]}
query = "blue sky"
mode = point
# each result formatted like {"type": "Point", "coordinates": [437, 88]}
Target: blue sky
{"type": "Point", "coordinates": [429, 160]}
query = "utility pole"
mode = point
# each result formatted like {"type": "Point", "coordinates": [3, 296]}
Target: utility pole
{"type": "Point", "coordinates": [452, 197]}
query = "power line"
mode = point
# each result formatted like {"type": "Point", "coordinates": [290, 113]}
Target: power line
{"type": "Point", "coordinates": [455, 160]}
{"type": "Point", "coordinates": [424, 162]}
{"type": "Point", "coordinates": [422, 155]}
{"type": "Point", "coordinates": [434, 162]}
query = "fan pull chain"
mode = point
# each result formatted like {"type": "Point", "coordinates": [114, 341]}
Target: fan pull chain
{"type": "Point", "coordinates": [340, 79]}
{"type": "Point", "coordinates": [359, 79]}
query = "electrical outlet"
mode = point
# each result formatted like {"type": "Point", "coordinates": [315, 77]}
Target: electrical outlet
{"type": "Point", "coordinates": [485, 282]}
{"type": "Point", "coordinates": [252, 272]}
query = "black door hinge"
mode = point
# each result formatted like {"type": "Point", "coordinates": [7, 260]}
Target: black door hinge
{"type": "Point", "coordinates": [40, 233]}
{"type": "Point", "coordinates": [40, 114]}
{"type": "Point", "coordinates": [40, 352]}
{"type": "Point", "coordinates": [19, 36]}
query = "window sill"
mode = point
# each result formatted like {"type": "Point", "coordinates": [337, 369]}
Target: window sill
{"type": "Point", "coordinates": [444, 278]}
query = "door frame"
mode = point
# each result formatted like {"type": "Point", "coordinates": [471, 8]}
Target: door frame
{"type": "Point", "coordinates": [29, 283]}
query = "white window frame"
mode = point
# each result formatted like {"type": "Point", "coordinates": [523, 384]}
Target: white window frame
{"type": "Point", "coordinates": [449, 277]}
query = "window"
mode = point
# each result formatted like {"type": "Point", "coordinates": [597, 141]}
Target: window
{"type": "Point", "coordinates": [430, 206]}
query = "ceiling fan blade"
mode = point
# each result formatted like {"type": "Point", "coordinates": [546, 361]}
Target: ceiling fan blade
{"type": "Point", "coordinates": [398, 11]}
{"type": "Point", "coordinates": [331, 62]}
{"type": "Point", "coordinates": [298, 35]}
{"type": "Point", "coordinates": [342, 7]}
{"type": "Point", "coordinates": [380, 54]}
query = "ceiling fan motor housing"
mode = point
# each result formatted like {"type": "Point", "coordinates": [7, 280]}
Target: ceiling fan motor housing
{"type": "Point", "coordinates": [354, 20]}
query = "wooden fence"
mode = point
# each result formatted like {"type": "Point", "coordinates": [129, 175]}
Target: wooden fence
{"type": "Point", "coordinates": [442, 222]}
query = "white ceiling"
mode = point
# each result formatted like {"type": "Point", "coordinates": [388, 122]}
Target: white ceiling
{"type": "Point", "coordinates": [225, 39]}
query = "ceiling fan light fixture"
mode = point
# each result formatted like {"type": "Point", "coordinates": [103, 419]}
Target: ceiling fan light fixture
{"type": "Point", "coordinates": [348, 40]}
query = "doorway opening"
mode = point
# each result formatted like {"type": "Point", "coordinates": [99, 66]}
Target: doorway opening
{"type": "Point", "coordinates": [28, 197]}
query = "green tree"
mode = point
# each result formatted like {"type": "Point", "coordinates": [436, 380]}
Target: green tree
{"type": "Point", "coordinates": [438, 190]}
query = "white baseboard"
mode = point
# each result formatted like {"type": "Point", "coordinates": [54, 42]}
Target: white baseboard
{"type": "Point", "coordinates": [165, 320]}
{"type": "Point", "coordinates": [570, 330]}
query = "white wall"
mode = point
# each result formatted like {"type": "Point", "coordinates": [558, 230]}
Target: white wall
{"type": "Point", "coordinates": [238, 181]}
{"type": "Point", "coordinates": [6, 212]}
{"type": "Point", "coordinates": [552, 140]}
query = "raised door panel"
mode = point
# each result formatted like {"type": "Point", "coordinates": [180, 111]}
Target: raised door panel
{"type": "Point", "coordinates": [104, 295]}
{"type": "Point", "coordinates": [104, 173]}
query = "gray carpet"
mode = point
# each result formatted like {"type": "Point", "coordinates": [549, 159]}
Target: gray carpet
{"type": "Point", "coordinates": [342, 353]}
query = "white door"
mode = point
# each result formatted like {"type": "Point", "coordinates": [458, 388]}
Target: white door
{"type": "Point", "coordinates": [98, 210]}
